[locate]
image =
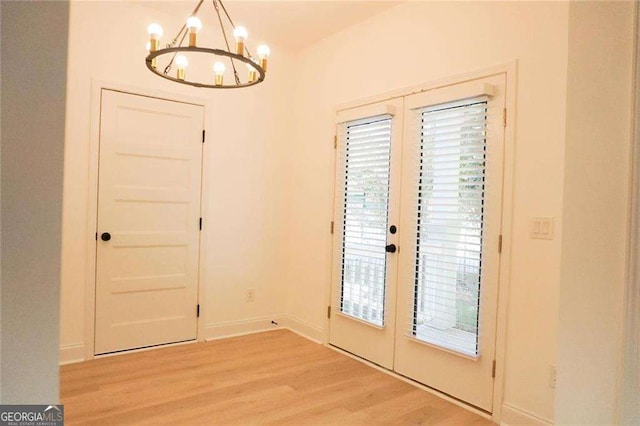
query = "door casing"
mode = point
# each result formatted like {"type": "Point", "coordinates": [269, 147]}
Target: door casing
{"type": "Point", "coordinates": [92, 204]}
{"type": "Point", "coordinates": [509, 69]}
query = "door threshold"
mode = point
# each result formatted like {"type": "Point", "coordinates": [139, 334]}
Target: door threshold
{"type": "Point", "coordinates": [422, 386]}
{"type": "Point", "coordinates": [144, 348]}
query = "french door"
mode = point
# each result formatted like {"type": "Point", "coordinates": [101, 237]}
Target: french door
{"type": "Point", "coordinates": [367, 206]}
{"type": "Point", "coordinates": [418, 222]}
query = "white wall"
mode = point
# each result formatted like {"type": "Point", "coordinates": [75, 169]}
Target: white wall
{"type": "Point", "coordinates": [33, 99]}
{"type": "Point", "coordinates": [596, 209]}
{"type": "Point", "coordinates": [420, 42]}
{"type": "Point", "coordinates": [244, 220]}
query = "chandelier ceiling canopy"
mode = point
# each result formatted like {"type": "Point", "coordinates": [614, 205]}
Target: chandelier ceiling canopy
{"type": "Point", "coordinates": [171, 62]}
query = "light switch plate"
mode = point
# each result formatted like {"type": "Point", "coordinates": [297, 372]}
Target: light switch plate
{"type": "Point", "coordinates": [541, 228]}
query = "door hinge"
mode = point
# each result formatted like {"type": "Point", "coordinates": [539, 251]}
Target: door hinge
{"type": "Point", "coordinates": [331, 228]}
{"type": "Point", "coordinates": [500, 243]}
{"type": "Point", "coordinates": [198, 310]}
{"type": "Point", "coordinates": [504, 117]}
{"type": "Point", "coordinates": [203, 135]}
{"type": "Point", "coordinates": [200, 225]}
{"type": "Point", "coordinates": [493, 369]}
{"type": "Point", "coordinates": [328, 311]}
{"type": "Point", "coordinates": [335, 141]}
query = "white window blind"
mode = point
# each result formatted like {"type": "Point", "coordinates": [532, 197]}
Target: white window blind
{"type": "Point", "coordinates": [365, 158]}
{"type": "Point", "coordinates": [448, 264]}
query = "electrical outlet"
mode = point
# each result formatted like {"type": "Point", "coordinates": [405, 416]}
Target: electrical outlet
{"type": "Point", "coordinates": [251, 295]}
{"type": "Point", "coordinates": [552, 376]}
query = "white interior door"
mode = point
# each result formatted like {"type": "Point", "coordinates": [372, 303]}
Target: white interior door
{"type": "Point", "coordinates": [451, 225]}
{"type": "Point", "coordinates": [366, 207]}
{"type": "Point", "coordinates": [148, 221]}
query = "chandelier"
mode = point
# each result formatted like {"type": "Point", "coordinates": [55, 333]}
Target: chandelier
{"type": "Point", "coordinates": [247, 70]}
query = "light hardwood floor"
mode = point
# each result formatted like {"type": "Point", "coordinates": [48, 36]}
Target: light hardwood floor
{"type": "Point", "coordinates": [275, 378]}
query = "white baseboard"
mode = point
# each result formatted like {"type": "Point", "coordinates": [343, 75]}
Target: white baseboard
{"type": "Point", "coordinates": [70, 354]}
{"type": "Point", "coordinates": [240, 328]}
{"type": "Point", "coordinates": [258, 325]}
{"type": "Point", "coordinates": [75, 353]}
{"type": "Point", "coordinates": [303, 328]}
{"type": "Point", "coordinates": [514, 416]}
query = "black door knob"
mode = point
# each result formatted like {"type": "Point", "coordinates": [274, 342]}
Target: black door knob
{"type": "Point", "coordinates": [105, 236]}
{"type": "Point", "coordinates": [391, 248]}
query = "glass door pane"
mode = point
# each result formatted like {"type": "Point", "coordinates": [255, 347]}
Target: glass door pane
{"type": "Point", "coordinates": [366, 208]}
{"type": "Point", "coordinates": [450, 224]}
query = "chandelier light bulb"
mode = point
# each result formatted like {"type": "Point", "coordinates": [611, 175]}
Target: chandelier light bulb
{"type": "Point", "coordinates": [263, 54]}
{"type": "Point", "coordinates": [218, 70]}
{"type": "Point", "coordinates": [155, 32]}
{"type": "Point", "coordinates": [181, 63]}
{"type": "Point", "coordinates": [240, 34]}
{"type": "Point", "coordinates": [194, 25]}
{"type": "Point", "coordinates": [264, 51]}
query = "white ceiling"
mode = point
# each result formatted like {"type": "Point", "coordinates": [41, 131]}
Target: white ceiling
{"type": "Point", "coordinates": [288, 24]}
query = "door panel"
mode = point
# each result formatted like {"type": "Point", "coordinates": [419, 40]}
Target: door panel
{"type": "Point", "coordinates": [452, 189]}
{"type": "Point", "coordinates": [149, 204]}
{"type": "Point", "coordinates": [366, 203]}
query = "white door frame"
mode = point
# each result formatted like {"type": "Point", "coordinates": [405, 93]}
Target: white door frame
{"type": "Point", "coordinates": [510, 69]}
{"type": "Point", "coordinates": [92, 205]}
{"type": "Point", "coordinates": [629, 375]}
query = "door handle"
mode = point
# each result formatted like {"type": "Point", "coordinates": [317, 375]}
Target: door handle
{"type": "Point", "coordinates": [391, 248]}
{"type": "Point", "coordinates": [105, 236]}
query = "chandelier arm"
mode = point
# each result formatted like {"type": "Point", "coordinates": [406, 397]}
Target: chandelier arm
{"type": "Point", "coordinates": [226, 41]}
{"type": "Point", "coordinates": [224, 9]}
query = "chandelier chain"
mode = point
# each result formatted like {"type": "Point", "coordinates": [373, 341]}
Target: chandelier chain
{"type": "Point", "coordinates": [175, 39]}
{"type": "Point", "coordinates": [224, 9]}
{"type": "Point", "coordinates": [168, 67]}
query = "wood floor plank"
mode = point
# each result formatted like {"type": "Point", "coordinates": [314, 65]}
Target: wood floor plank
{"type": "Point", "coordinates": [274, 378]}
